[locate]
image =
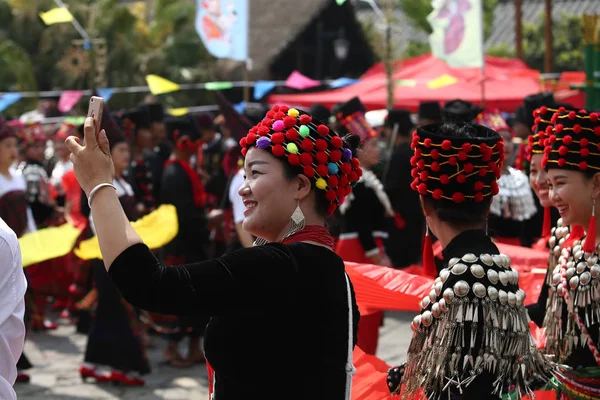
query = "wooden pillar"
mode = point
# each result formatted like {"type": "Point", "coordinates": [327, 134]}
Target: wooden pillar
{"type": "Point", "coordinates": [548, 38]}
{"type": "Point", "coordinates": [519, 28]}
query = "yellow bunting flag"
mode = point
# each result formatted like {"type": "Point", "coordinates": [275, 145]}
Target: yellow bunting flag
{"type": "Point", "coordinates": [48, 243]}
{"type": "Point", "coordinates": [442, 81]}
{"type": "Point", "coordinates": [56, 16]}
{"type": "Point", "coordinates": [160, 85]}
{"type": "Point", "coordinates": [407, 82]}
{"type": "Point", "coordinates": [156, 229]}
{"type": "Point", "coordinates": [178, 112]}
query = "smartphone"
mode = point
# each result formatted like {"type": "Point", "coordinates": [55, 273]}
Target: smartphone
{"type": "Point", "coordinates": [95, 110]}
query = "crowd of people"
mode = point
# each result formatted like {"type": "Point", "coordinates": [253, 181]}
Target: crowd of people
{"type": "Point", "coordinates": [270, 202]}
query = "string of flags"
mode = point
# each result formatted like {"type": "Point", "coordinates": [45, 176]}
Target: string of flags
{"type": "Point", "coordinates": [158, 85]}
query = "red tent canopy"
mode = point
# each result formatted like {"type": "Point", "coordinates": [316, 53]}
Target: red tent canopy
{"type": "Point", "coordinates": [425, 78]}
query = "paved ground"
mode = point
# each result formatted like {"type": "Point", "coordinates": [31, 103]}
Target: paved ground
{"type": "Point", "coordinates": [57, 356]}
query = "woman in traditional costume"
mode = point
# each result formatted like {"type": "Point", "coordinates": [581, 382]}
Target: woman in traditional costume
{"type": "Point", "coordinates": [286, 303]}
{"type": "Point", "coordinates": [572, 319]}
{"type": "Point", "coordinates": [363, 225]}
{"type": "Point", "coordinates": [114, 349]}
{"type": "Point", "coordinates": [471, 339]}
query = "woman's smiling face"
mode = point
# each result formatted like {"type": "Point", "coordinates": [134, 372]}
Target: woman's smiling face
{"type": "Point", "coordinates": [538, 179]}
{"type": "Point", "coordinates": [571, 192]}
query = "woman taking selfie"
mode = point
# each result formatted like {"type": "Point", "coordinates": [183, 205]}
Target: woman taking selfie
{"type": "Point", "coordinates": [572, 320]}
{"type": "Point", "coordinates": [285, 303]}
{"type": "Point", "coordinates": [471, 339]}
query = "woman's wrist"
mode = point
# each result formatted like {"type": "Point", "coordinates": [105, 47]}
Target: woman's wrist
{"type": "Point", "coordinates": [97, 190]}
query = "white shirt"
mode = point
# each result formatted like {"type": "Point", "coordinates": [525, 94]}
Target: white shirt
{"type": "Point", "coordinates": [59, 170]}
{"type": "Point", "coordinates": [12, 310]}
{"type": "Point", "coordinates": [17, 182]}
{"type": "Point", "coordinates": [236, 200]}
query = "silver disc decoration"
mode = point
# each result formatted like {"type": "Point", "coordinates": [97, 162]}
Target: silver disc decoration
{"type": "Point", "coordinates": [461, 288]}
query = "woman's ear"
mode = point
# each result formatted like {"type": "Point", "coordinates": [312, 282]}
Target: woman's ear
{"type": "Point", "coordinates": [304, 187]}
{"type": "Point", "coordinates": [596, 187]}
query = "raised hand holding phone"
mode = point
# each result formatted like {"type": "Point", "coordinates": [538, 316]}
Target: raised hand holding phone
{"type": "Point", "coordinates": [92, 161]}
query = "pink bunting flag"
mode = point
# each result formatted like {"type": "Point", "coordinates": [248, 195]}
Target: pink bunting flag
{"type": "Point", "coordinates": [68, 99]}
{"type": "Point", "coordinates": [298, 81]}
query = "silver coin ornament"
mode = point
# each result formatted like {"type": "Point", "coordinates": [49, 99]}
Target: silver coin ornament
{"type": "Point", "coordinates": [444, 274]}
{"type": "Point", "coordinates": [503, 296]}
{"type": "Point", "coordinates": [479, 290]}
{"type": "Point", "coordinates": [574, 282]}
{"type": "Point", "coordinates": [520, 297]}
{"type": "Point", "coordinates": [497, 260]}
{"type": "Point", "coordinates": [425, 302]}
{"type": "Point", "coordinates": [576, 248]}
{"type": "Point", "coordinates": [492, 293]}
{"type": "Point", "coordinates": [477, 271]}
{"type": "Point", "coordinates": [459, 269]}
{"type": "Point", "coordinates": [579, 255]}
{"type": "Point", "coordinates": [426, 318]}
{"type": "Point", "coordinates": [585, 278]}
{"type": "Point", "coordinates": [515, 275]}
{"type": "Point", "coordinates": [438, 288]}
{"type": "Point", "coordinates": [448, 296]}
{"type": "Point", "coordinates": [461, 288]}
{"type": "Point", "coordinates": [442, 305]}
{"type": "Point", "coordinates": [552, 242]}
{"type": "Point", "coordinates": [435, 310]}
{"type": "Point", "coordinates": [592, 260]}
{"type": "Point", "coordinates": [469, 258]}
{"type": "Point", "coordinates": [581, 266]}
{"type": "Point", "coordinates": [487, 259]}
{"type": "Point", "coordinates": [512, 299]}
{"type": "Point", "coordinates": [453, 261]}
{"type": "Point", "coordinates": [505, 261]}
{"type": "Point", "coordinates": [570, 272]}
{"type": "Point", "coordinates": [556, 279]}
{"type": "Point", "coordinates": [416, 323]}
{"type": "Point", "coordinates": [492, 276]}
{"type": "Point", "coordinates": [561, 241]}
{"type": "Point", "coordinates": [595, 271]}
{"type": "Point", "coordinates": [438, 279]}
{"type": "Point", "coordinates": [432, 296]}
{"type": "Point", "coordinates": [503, 277]}
{"type": "Point", "coordinates": [560, 289]}
{"type": "Point", "coordinates": [556, 250]}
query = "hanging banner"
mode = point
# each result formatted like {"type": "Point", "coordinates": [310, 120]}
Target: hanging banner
{"type": "Point", "coordinates": [68, 99]}
{"type": "Point", "coordinates": [298, 81]}
{"type": "Point", "coordinates": [56, 16]}
{"type": "Point", "coordinates": [223, 27]}
{"type": "Point", "coordinates": [106, 93]}
{"type": "Point", "coordinates": [8, 100]}
{"type": "Point", "coordinates": [457, 36]}
{"type": "Point", "coordinates": [262, 87]}
{"type": "Point", "coordinates": [159, 85]}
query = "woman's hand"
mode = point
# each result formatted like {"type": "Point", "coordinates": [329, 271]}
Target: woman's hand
{"type": "Point", "coordinates": [92, 161]}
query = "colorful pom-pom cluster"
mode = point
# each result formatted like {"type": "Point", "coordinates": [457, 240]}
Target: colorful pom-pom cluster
{"type": "Point", "coordinates": [573, 142]}
{"type": "Point", "coordinates": [317, 151]}
{"type": "Point", "coordinates": [454, 168]}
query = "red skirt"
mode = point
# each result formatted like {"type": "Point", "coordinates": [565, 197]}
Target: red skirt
{"type": "Point", "coordinates": [370, 320]}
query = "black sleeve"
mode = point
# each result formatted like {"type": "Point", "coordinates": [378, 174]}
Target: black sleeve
{"type": "Point", "coordinates": [85, 208]}
{"type": "Point", "coordinates": [537, 310]}
{"type": "Point", "coordinates": [362, 214]}
{"type": "Point", "coordinates": [242, 280]}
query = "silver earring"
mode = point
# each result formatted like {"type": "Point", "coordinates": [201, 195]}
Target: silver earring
{"type": "Point", "coordinates": [297, 222]}
{"type": "Point", "coordinates": [426, 228]}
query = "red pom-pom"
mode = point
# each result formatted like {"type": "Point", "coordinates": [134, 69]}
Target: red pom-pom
{"type": "Point", "coordinates": [267, 122]}
{"type": "Point", "coordinates": [337, 142]}
{"type": "Point", "coordinates": [270, 114]}
{"type": "Point", "coordinates": [343, 180]}
{"type": "Point", "coordinates": [294, 159]}
{"type": "Point", "coordinates": [422, 188]}
{"type": "Point", "coordinates": [478, 197]}
{"type": "Point", "coordinates": [435, 153]}
{"type": "Point", "coordinates": [321, 157]}
{"type": "Point", "coordinates": [263, 130]}
{"type": "Point", "coordinates": [418, 153]}
{"type": "Point", "coordinates": [244, 142]}
{"type": "Point", "coordinates": [306, 159]}
{"type": "Point", "coordinates": [321, 144]}
{"type": "Point", "coordinates": [309, 171]}
{"type": "Point", "coordinates": [244, 151]}
{"type": "Point", "coordinates": [458, 197]}
{"type": "Point", "coordinates": [583, 165]}
{"type": "Point", "coordinates": [469, 168]}
{"type": "Point", "coordinates": [284, 108]}
{"type": "Point", "coordinates": [330, 195]}
{"type": "Point", "coordinates": [461, 178]}
{"type": "Point", "coordinates": [467, 147]}
{"type": "Point", "coordinates": [423, 176]}
{"type": "Point", "coordinates": [543, 110]}
{"type": "Point", "coordinates": [566, 140]}
{"type": "Point", "coordinates": [421, 164]}
{"type": "Point", "coordinates": [278, 150]}
{"type": "Point", "coordinates": [561, 162]}
{"type": "Point", "coordinates": [289, 121]}
{"type": "Point", "coordinates": [276, 108]}
{"type": "Point", "coordinates": [577, 128]}
{"type": "Point", "coordinates": [563, 150]}
{"type": "Point", "coordinates": [582, 111]}
{"type": "Point", "coordinates": [413, 161]}
{"type": "Point", "coordinates": [583, 142]}
{"type": "Point", "coordinates": [305, 119]}
{"type": "Point", "coordinates": [346, 168]}
{"type": "Point", "coordinates": [413, 184]}
{"type": "Point", "coordinates": [414, 172]}
{"type": "Point", "coordinates": [341, 192]}
{"type": "Point", "coordinates": [487, 156]}
{"type": "Point", "coordinates": [554, 118]}
{"type": "Point", "coordinates": [331, 209]}
{"type": "Point", "coordinates": [462, 156]}
{"type": "Point", "coordinates": [437, 194]}
{"type": "Point", "coordinates": [584, 152]}
{"type": "Point", "coordinates": [352, 176]}
{"type": "Point", "coordinates": [307, 145]}
{"type": "Point", "coordinates": [277, 138]}
{"type": "Point", "coordinates": [561, 109]}
{"type": "Point", "coordinates": [335, 155]}
{"type": "Point", "coordinates": [435, 166]}
{"type": "Point", "coordinates": [483, 171]}
{"type": "Point", "coordinates": [494, 187]}
{"type": "Point", "coordinates": [544, 160]}
{"type": "Point", "coordinates": [446, 145]}
{"type": "Point", "coordinates": [323, 130]}
{"type": "Point", "coordinates": [593, 117]}
{"type": "Point", "coordinates": [452, 161]}
{"type": "Point", "coordinates": [250, 138]}
{"type": "Point", "coordinates": [559, 128]}
{"type": "Point", "coordinates": [279, 116]}
{"type": "Point", "coordinates": [572, 115]}
{"type": "Point", "coordinates": [322, 170]}
{"type": "Point", "coordinates": [484, 147]}
{"type": "Point", "coordinates": [333, 181]}
{"type": "Point", "coordinates": [292, 135]}
{"type": "Point", "coordinates": [597, 130]}
{"type": "Point", "coordinates": [444, 179]}
{"type": "Point", "coordinates": [549, 130]}
{"type": "Point", "coordinates": [427, 142]}
{"type": "Point", "coordinates": [355, 163]}
{"type": "Point", "coordinates": [478, 186]}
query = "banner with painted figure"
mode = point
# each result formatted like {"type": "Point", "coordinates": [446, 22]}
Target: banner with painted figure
{"type": "Point", "coordinates": [223, 27]}
{"type": "Point", "coordinates": [457, 36]}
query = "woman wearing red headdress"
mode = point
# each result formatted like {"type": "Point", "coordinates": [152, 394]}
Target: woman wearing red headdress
{"type": "Point", "coordinates": [286, 302]}
{"type": "Point", "coordinates": [363, 225]}
{"type": "Point", "coordinates": [572, 319]}
{"type": "Point", "coordinates": [471, 339]}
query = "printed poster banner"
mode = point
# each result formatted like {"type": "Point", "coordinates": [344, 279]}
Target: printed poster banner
{"type": "Point", "coordinates": [457, 36]}
{"type": "Point", "coordinates": [223, 27]}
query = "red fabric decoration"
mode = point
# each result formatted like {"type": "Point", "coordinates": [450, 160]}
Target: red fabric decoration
{"type": "Point", "coordinates": [399, 221]}
{"type": "Point", "coordinates": [547, 227]}
{"type": "Point", "coordinates": [590, 238]}
{"type": "Point", "coordinates": [197, 186]}
{"type": "Point", "coordinates": [429, 268]}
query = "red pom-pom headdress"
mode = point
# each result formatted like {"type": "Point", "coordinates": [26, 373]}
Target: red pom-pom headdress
{"type": "Point", "coordinates": [30, 133]}
{"type": "Point", "coordinates": [66, 129]}
{"type": "Point", "coordinates": [316, 151]}
{"type": "Point", "coordinates": [541, 130]}
{"type": "Point", "coordinates": [456, 169]}
{"type": "Point", "coordinates": [493, 119]}
{"type": "Point", "coordinates": [352, 117]}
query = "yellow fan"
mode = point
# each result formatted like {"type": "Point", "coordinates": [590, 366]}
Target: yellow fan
{"type": "Point", "coordinates": [156, 229]}
{"type": "Point", "coordinates": [47, 243]}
